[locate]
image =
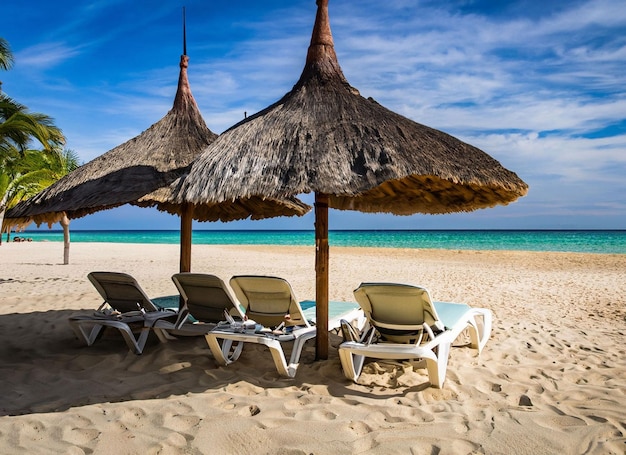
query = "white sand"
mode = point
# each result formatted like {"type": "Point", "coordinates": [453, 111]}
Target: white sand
{"type": "Point", "coordinates": [559, 339]}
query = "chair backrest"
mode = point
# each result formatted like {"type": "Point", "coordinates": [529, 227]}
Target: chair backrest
{"type": "Point", "coordinates": [397, 311]}
{"type": "Point", "coordinates": [121, 291]}
{"type": "Point", "coordinates": [206, 296]}
{"type": "Point", "coordinates": [267, 300]}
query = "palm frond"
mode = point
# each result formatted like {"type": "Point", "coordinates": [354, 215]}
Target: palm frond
{"type": "Point", "coordinates": [6, 56]}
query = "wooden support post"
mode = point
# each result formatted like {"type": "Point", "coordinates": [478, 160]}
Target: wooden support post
{"type": "Point", "coordinates": [65, 222]}
{"type": "Point", "coordinates": [321, 275]}
{"type": "Point", "coordinates": [186, 218]}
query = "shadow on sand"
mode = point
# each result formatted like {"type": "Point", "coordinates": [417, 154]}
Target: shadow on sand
{"type": "Point", "coordinates": [44, 368]}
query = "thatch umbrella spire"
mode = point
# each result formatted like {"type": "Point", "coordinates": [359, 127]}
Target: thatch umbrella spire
{"type": "Point", "coordinates": [183, 92]}
{"type": "Point", "coordinates": [354, 154]}
{"type": "Point", "coordinates": [321, 59]}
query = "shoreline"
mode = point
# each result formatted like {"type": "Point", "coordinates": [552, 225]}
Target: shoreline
{"type": "Point", "coordinates": [590, 241]}
{"type": "Point", "coordinates": [269, 246]}
{"type": "Point", "coordinates": [559, 326]}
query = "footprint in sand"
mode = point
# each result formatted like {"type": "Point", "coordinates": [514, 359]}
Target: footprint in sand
{"type": "Point", "coordinates": [360, 428]}
{"type": "Point", "coordinates": [133, 417]}
{"type": "Point", "coordinates": [181, 422]}
{"type": "Point", "coordinates": [79, 436]}
{"type": "Point", "coordinates": [228, 405]}
{"type": "Point", "coordinates": [174, 440]}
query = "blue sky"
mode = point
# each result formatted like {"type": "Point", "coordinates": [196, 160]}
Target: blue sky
{"type": "Point", "coordinates": [539, 85]}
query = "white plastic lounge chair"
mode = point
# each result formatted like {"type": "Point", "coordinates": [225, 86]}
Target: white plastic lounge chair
{"type": "Point", "coordinates": [125, 303]}
{"type": "Point", "coordinates": [338, 312]}
{"type": "Point", "coordinates": [410, 326]}
{"type": "Point", "coordinates": [204, 299]}
{"type": "Point", "coordinates": [270, 303]}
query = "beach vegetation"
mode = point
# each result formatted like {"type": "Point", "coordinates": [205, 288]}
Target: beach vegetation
{"type": "Point", "coordinates": [26, 173]}
{"type": "Point", "coordinates": [20, 128]}
{"type": "Point", "coordinates": [6, 56]}
{"type": "Point", "coordinates": [32, 156]}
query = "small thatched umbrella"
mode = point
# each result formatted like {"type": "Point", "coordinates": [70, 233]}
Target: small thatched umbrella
{"type": "Point", "coordinates": [353, 153]}
{"type": "Point", "coordinates": [134, 171]}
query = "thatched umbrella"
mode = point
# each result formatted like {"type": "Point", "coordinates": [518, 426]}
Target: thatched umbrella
{"type": "Point", "coordinates": [133, 172]}
{"type": "Point", "coordinates": [353, 153]}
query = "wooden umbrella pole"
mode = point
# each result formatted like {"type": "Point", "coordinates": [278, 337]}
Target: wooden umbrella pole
{"type": "Point", "coordinates": [321, 275]}
{"type": "Point", "coordinates": [65, 223]}
{"type": "Point", "coordinates": [185, 237]}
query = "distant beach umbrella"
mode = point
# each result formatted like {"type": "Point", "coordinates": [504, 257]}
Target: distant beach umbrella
{"type": "Point", "coordinates": [353, 153]}
{"type": "Point", "coordinates": [133, 173]}
{"type": "Point", "coordinates": [149, 161]}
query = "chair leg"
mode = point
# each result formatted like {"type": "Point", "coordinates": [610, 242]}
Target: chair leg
{"type": "Point", "coordinates": [82, 334]}
{"type": "Point", "coordinates": [280, 362]}
{"type": "Point", "coordinates": [216, 350]}
{"type": "Point", "coordinates": [224, 354]}
{"type": "Point", "coordinates": [480, 333]}
{"type": "Point", "coordinates": [232, 354]}
{"type": "Point", "coordinates": [352, 364]}
{"type": "Point", "coordinates": [136, 345]}
{"type": "Point", "coordinates": [437, 365]}
{"type": "Point", "coordinates": [298, 345]}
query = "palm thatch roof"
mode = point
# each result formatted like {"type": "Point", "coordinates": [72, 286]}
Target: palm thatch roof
{"type": "Point", "coordinates": [324, 137]}
{"type": "Point", "coordinates": [154, 159]}
{"type": "Point", "coordinates": [135, 171]}
{"type": "Point", "coordinates": [255, 207]}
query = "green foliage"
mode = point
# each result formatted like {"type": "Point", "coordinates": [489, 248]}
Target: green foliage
{"type": "Point", "coordinates": [6, 56]}
{"type": "Point", "coordinates": [19, 127]}
{"type": "Point", "coordinates": [25, 171]}
{"type": "Point", "coordinates": [23, 175]}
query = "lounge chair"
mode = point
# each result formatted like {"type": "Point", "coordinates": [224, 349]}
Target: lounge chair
{"type": "Point", "coordinates": [268, 300]}
{"type": "Point", "coordinates": [406, 325]}
{"type": "Point", "coordinates": [204, 298]}
{"type": "Point", "coordinates": [125, 303]}
{"type": "Point", "coordinates": [277, 316]}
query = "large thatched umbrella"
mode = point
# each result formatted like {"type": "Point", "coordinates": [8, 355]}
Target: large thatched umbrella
{"type": "Point", "coordinates": [134, 171]}
{"type": "Point", "coordinates": [353, 153]}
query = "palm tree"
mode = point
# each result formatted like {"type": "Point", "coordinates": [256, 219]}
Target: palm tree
{"type": "Point", "coordinates": [56, 163]}
{"type": "Point", "coordinates": [36, 170]}
{"type": "Point", "coordinates": [24, 171]}
{"type": "Point", "coordinates": [24, 174]}
{"type": "Point", "coordinates": [19, 127]}
{"type": "Point", "coordinates": [19, 173]}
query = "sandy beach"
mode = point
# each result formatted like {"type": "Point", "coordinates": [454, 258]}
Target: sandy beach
{"type": "Point", "coordinates": [552, 378]}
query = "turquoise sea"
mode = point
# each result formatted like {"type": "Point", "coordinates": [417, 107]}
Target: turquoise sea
{"type": "Point", "coordinates": [613, 241]}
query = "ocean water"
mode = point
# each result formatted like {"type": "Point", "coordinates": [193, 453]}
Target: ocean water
{"type": "Point", "coordinates": [533, 240]}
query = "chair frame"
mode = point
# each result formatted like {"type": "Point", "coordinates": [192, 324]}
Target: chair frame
{"type": "Point", "coordinates": [434, 350]}
{"type": "Point", "coordinates": [110, 313]}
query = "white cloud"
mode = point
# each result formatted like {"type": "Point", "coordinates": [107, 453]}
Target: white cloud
{"type": "Point", "coordinates": [45, 55]}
